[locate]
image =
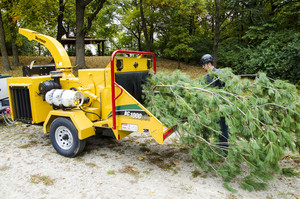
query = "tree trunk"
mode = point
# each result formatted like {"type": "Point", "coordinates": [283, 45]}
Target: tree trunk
{"type": "Point", "coordinates": [80, 33]}
{"type": "Point", "coordinates": [151, 35]}
{"type": "Point", "coordinates": [14, 31]}
{"type": "Point", "coordinates": [178, 60]}
{"type": "Point", "coordinates": [60, 28]}
{"type": "Point", "coordinates": [6, 64]}
{"type": "Point", "coordinates": [144, 25]}
{"type": "Point", "coordinates": [139, 40]}
{"type": "Point", "coordinates": [192, 25]}
{"type": "Point", "coordinates": [217, 32]}
{"type": "Point", "coordinates": [16, 61]}
{"type": "Point", "coordinates": [81, 30]}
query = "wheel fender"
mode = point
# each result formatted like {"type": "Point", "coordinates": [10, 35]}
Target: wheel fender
{"type": "Point", "coordinates": [80, 120]}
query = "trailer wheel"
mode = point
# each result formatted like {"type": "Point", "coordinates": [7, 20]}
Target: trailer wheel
{"type": "Point", "coordinates": [64, 137]}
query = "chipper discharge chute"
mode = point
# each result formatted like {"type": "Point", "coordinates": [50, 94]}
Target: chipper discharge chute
{"type": "Point", "coordinates": [71, 108]}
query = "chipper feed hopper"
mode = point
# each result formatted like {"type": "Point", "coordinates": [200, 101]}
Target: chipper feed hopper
{"type": "Point", "coordinates": [71, 109]}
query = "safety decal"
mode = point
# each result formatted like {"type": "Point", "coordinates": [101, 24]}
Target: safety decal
{"type": "Point", "coordinates": [132, 110]}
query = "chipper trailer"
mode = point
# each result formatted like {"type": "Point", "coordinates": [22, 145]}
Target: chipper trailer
{"type": "Point", "coordinates": [71, 109]}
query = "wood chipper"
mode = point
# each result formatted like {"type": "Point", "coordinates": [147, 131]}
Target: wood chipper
{"type": "Point", "coordinates": [71, 109]}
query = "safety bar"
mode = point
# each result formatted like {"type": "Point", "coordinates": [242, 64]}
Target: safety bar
{"type": "Point", "coordinates": [113, 83]}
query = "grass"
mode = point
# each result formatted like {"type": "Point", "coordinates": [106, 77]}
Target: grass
{"type": "Point", "coordinates": [90, 164]}
{"type": "Point", "coordinates": [130, 170]}
{"type": "Point", "coordinates": [79, 159]}
{"type": "Point", "coordinates": [111, 172]}
{"type": "Point", "coordinates": [37, 178]}
{"type": "Point", "coordinates": [170, 66]}
{"type": "Point", "coordinates": [104, 155]}
{"type": "Point", "coordinates": [143, 144]}
{"type": "Point", "coordinates": [165, 166]}
{"type": "Point", "coordinates": [147, 172]}
{"type": "Point", "coordinates": [196, 173]}
{"type": "Point", "coordinates": [32, 143]}
{"type": "Point", "coordinates": [100, 62]}
{"type": "Point", "coordinates": [289, 195]}
{"type": "Point", "coordinates": [145, 150]}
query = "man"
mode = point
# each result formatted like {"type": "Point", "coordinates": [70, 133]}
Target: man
{"type": "Point", "coordinates": [207, 63]}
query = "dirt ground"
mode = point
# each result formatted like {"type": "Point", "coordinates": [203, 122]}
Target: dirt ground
{"type": "Point", "coordinates": [134, 167]}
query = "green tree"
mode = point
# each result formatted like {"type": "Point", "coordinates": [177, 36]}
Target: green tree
{"type": "Point", "coordinates": [280, 58]}
{"type": "Point", "coordinates": [130, 33]}
{"type": "Point", "coordinates": [38, 16]}
{"type": "Point", "coordinates": [178, 31]}
{"type": "Point", "coordinates": [105, 25]}
{"type": "Point", "coordinates": [6, 64]}
{"type": "Point", "coordinates": [268, 42]}
{"type": "Point", "coordinates": [144, 26]}
{"type": "Point", "coordinates": [11, 27]}
{"type": "Point", "coordinates": [140, 20]}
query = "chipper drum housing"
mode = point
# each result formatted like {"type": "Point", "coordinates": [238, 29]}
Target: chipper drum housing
{"type": "Point", "coordinates": [72, 108]}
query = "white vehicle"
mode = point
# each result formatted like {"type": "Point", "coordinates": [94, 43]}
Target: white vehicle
{"type": "Point", "coordinates": [4, 102]}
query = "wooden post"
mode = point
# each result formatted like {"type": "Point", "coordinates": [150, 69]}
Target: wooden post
{"type": "Point", "coordinates": [98, 46]}
{"type": "Point", "coordinates": [102, 48]}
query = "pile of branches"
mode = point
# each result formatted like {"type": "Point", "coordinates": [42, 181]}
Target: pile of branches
{"type": "Point", "coordinates": [262, 115]}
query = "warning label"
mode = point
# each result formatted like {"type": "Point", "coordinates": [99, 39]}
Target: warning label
{"type": "Point", "coordinates": [129, 127]}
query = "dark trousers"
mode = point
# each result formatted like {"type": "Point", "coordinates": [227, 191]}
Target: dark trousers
{"type": "Point", "coordinates": [223, 139]}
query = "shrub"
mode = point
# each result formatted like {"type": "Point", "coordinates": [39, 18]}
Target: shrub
{"type": "Point", "coordinates": [278, 56]}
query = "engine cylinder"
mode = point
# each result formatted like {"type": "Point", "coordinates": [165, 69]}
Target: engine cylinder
{"type": "Point", "coordinates": [48, 85]}
{"type": "Point", "coordinates": [65, 98]}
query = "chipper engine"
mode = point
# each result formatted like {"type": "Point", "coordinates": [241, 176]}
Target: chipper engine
{"type": "Point", "coordinates": [71, 109]}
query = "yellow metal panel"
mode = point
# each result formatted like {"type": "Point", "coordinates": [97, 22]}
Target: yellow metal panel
{"type": "Point", "coordinates": [91, 116]}
{"type": "Point", "coordinates": [119, 134]}
{"type": "Point", "coordinates": [107, 77]}
{"type": "Point", "coordinates": [147, 123]}
{"type": "Point", "coordinates": [67, 83]}
{"type": "Point", "coordinates": [106, 102]}
{"type": "Point", "coordinates": [39, 108]}
{"type": "Point", "coordinates": [57, 51]}
{"type": "Point", "coordinates": [103, 123]}
{"type": "Point", "coordinates": [92, 77]}
{"type": "Point", "coordinates": [129, 64]}
{"type": "Point", "coordinates": [81, 121]}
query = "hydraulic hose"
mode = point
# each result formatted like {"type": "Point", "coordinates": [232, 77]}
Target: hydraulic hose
{"type": "Point", "coordinates": [7, 120]}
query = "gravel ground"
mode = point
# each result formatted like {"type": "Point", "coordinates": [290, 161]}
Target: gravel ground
{"type": "Point", "coordinates": [134, 167]}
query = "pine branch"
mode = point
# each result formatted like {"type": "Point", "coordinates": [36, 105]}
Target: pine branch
{"type": "Point", "coordinates": [196, 115]}
{"type": "Point", "coordinates": [283, 107]}
{"type": "Point", "coordinates": [211, 83]}
{"type": "Point", "coordinates": [253, 115]}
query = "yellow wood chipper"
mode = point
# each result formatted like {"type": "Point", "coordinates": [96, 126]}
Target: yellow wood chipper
{"type": "Point", "coordinates": [71, 109]}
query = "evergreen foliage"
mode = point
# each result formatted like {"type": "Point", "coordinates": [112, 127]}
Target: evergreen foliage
{"type": "Point", "coordinates": [262, 115]}
{"type": "Point", "coordinates": [278, 56]}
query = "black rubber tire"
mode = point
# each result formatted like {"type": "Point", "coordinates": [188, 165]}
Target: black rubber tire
{"type": "Point", "coordinates": [64, 137]}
